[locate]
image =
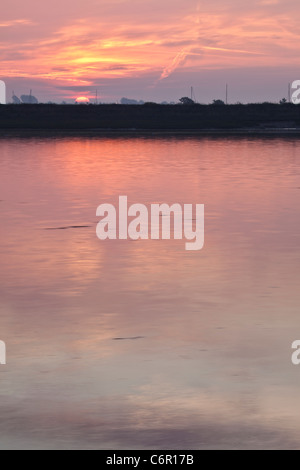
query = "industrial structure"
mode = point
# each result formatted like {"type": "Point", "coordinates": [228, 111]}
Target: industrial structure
{"type": "Point", "coordinates": [25, 99]}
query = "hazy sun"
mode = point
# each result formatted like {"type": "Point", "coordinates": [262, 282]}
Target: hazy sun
{"type": "Point", "coordinates": [82, 100]}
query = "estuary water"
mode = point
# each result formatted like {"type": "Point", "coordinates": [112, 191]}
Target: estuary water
{"type": "Point", "coordinates": [123, 344]}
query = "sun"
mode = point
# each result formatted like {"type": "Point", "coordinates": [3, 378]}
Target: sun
{"type": "Point", "coordinates": [82, 100]}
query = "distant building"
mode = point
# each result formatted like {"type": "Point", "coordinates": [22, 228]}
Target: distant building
{"type": "Point", "coordinates": [15, 99]}
{"type": "Point", "coordinates": [29, 99]}
{"type": "Point", "coordinates": [128, 101]}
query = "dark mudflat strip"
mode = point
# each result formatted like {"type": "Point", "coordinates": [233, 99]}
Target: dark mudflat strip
{"type": "Point", "coordinates": [147, 133]}
{"type": "Point", "coordinates": [133, 338]}
{"type": "Point", "coordinates": [68, 227]}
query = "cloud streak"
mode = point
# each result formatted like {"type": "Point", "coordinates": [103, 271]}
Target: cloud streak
{"type": "Point", "coordinates": [181, 57]}
{"type": "Point", "coordinates": [177, 61]}
{"type": "Point", "coordinates": [11, 23]}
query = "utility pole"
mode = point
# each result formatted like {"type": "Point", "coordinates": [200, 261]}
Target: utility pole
{"type": "Point", "coordinates": [193, 97]}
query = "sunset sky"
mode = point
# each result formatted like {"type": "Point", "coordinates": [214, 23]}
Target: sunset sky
{"type": "Point", "coordinates": [150, 49]}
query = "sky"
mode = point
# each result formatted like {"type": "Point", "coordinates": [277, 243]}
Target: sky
{"type": "Point", "coordinates": [151, 50]}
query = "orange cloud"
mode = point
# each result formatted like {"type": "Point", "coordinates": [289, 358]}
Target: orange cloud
{"type": "Point", "coordinates": [9, 24]}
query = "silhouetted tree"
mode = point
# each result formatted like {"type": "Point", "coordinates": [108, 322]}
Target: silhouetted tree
{"type": "Point", "coordinates": [283, 101]}
{"type": "Point", "coordinates": [218, 103]}
{"type": "Point", "coordinates": [186, 101]}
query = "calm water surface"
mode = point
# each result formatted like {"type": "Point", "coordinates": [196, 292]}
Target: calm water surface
{"type": "Point", "coordinates": [122, 344]}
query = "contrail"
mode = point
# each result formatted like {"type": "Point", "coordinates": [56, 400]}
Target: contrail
{"type": "Point", "coordinates": [182, 55]}
{"type": "Point", "coordinates": [236, 51]}
{"type": "Point", "coordinates": [178, 60]}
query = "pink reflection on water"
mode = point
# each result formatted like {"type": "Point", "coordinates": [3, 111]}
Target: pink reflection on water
{"type": "Point", "coordinates": [210, 360]}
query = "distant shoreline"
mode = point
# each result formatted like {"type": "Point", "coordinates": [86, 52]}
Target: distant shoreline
{"type": "Point", "coordinates": [149, 132]}
{"type": "Point", "coordinates": [151, 119]}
